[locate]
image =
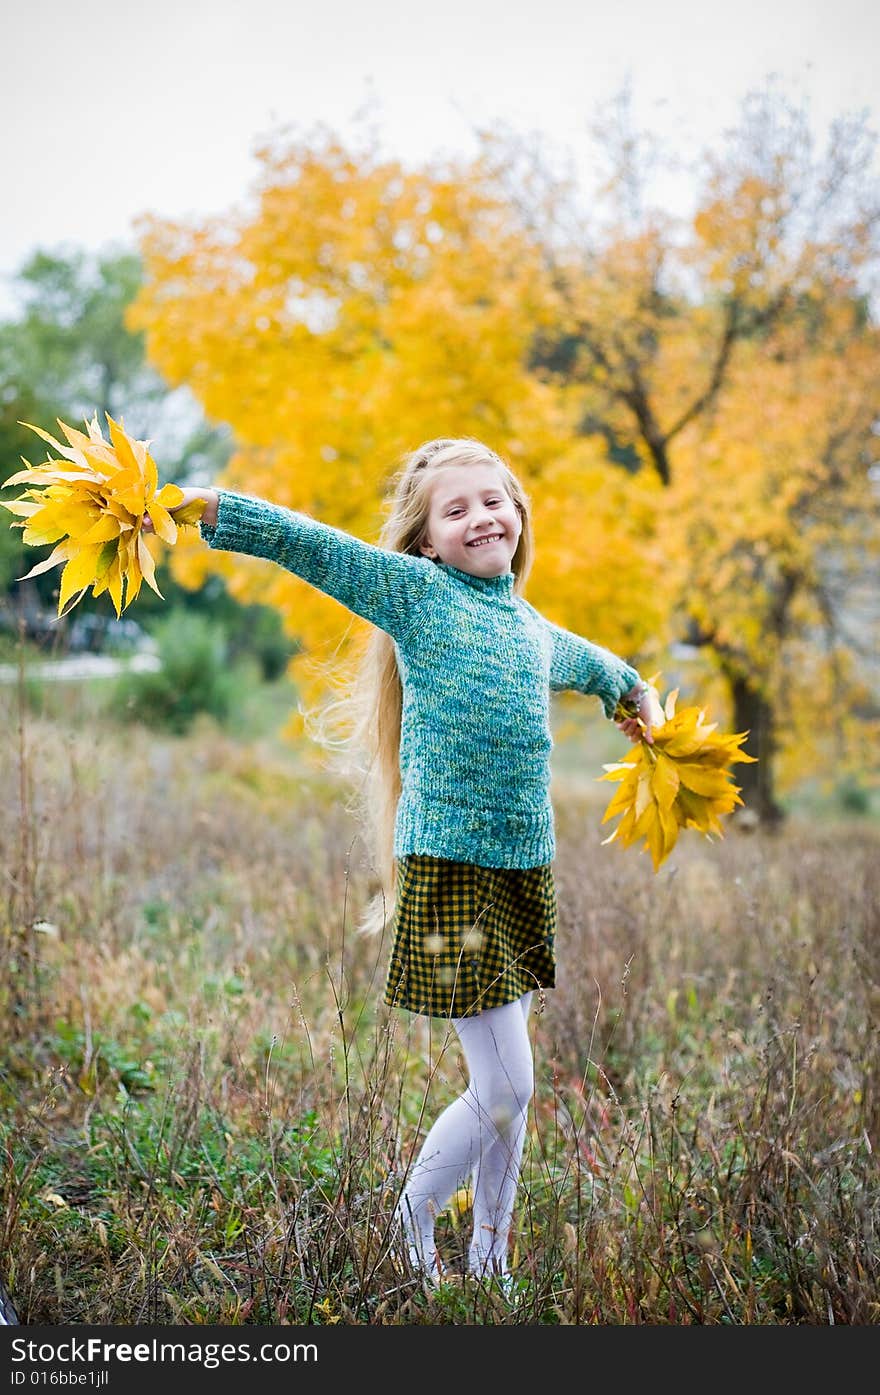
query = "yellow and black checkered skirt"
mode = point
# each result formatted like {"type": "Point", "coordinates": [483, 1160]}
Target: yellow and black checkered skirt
{"type": "Point", "coordinates": [467, 938]}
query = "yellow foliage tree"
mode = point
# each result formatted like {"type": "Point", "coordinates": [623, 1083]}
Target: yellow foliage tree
{"type": "Point", "coordinates": [735, 359]}
{"type": "Point", "coordinates": [358, 310]}
{"type": "Point", "coordinates": [690, 404]}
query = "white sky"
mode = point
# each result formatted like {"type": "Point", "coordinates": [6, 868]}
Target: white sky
{"type": "Point", "coordinates": [109, 108]}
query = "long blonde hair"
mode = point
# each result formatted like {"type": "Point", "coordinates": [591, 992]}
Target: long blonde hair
{"type": "Point", "coordinates": [370, 708]}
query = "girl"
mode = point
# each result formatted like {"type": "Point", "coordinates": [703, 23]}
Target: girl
{"type": "Point", "coordinates": [452, 705]}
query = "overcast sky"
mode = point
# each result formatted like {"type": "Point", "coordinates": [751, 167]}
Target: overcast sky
{"type": "Point", "coordinates": [110, 108]}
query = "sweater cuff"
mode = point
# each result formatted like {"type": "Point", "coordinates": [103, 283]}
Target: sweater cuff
{"type": "Point", "coordinates": [234, 512]}
{"type": "Point", "coordinates": [624, 680]}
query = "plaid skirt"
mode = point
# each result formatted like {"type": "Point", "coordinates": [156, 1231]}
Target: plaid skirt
{"type": "Point", "coordinates": [467, 938]}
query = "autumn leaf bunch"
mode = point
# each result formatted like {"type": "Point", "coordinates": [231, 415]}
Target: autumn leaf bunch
{"type": "Point", "coordinates": [92, 503]}
{"type": "Point", "coordinates": [682, 780]}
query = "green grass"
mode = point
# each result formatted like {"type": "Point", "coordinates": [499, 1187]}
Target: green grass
{"type": "Point", "coordinates": [260, 711]}
{"type": "Point", "coordinates": [206, 1112]}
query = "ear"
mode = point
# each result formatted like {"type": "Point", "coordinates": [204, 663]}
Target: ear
{"type": "Point", "coordinates": [427, 550]}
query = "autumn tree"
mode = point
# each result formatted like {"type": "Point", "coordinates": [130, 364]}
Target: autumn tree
{"type": "Point", "coordinates": [356, 310]}
{"type": "Point", "coordinates": [690, 403]}
{"type": "Point", "coordinates": [735, 358]}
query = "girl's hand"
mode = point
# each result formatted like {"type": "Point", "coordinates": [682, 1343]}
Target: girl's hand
{"type": "Point", "coordinates": [650, 713]}
{"type": "Point", "coordinates": [190, 493]}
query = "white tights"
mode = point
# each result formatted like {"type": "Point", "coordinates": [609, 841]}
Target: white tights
{"type": "Point", "coordinates": [479, 1139]}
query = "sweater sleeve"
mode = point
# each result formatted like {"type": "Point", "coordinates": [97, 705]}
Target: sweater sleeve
{"type": "Point", "coordinates": [385, 587]}
{"type": "Point", "coordinates": [577, 664]}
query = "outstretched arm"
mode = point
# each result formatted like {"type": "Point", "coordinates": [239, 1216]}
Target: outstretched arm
{"type": "Point", "coordinates": [578, 664]}
{"type": "Point", "coordinates": [589, 668]}
{"type": "Point", "coordinates": [385, 587]}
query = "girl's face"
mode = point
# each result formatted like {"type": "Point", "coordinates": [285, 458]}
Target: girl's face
{"type": "Point", "coordinates": [473, 523]}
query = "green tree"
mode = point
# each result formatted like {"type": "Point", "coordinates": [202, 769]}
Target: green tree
{"type": "Point", "coordinates": [68, 354]}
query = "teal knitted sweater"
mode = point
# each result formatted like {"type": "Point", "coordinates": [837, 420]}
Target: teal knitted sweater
{"type": "Point", "coordinates": [477, 665]}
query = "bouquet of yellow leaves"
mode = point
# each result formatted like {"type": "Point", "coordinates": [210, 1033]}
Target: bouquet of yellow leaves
{"type": "Point", "coordinates": [94, 499]}
{"type": "Point", "coordinates": [682, 780]}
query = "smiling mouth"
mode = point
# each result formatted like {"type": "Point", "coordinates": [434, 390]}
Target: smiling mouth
{"type": "Point", "coordinates": [482, 542]}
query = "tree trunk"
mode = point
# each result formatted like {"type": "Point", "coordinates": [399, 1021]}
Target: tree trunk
{"type": "Point", "coordinates": [752, 713]}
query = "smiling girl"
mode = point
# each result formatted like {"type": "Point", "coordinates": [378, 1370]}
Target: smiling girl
{"type": "Point", "coordinates": [452, 705]}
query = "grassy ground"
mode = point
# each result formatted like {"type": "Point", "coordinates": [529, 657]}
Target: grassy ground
{"type": "Point", "coordinates": [206, 1112]}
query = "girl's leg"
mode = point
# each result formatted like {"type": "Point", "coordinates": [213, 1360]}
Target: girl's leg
{"type": "Point", "coordinates": [497, 1169]}
{"type": "Point", "coordinates": [480, 1134]}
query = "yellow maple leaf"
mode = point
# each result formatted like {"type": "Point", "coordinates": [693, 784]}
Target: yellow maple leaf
{"type": "Point", "coordinates": [681, 780]}
{"type": "Point", "coordinates": [91, 503]}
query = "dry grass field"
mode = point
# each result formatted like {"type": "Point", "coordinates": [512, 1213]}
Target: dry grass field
{"type": "Point", "coordinates": [206, 1112]}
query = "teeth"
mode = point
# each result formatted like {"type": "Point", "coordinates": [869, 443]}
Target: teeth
{"type": "Point", "coordinates": [480, 542]}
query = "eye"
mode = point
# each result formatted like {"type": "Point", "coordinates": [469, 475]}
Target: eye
{"type": "Point", "coordinates": [452, 512]}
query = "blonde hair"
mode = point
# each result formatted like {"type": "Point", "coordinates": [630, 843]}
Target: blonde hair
{"type": "Point", "coordinates": [371, 706]}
